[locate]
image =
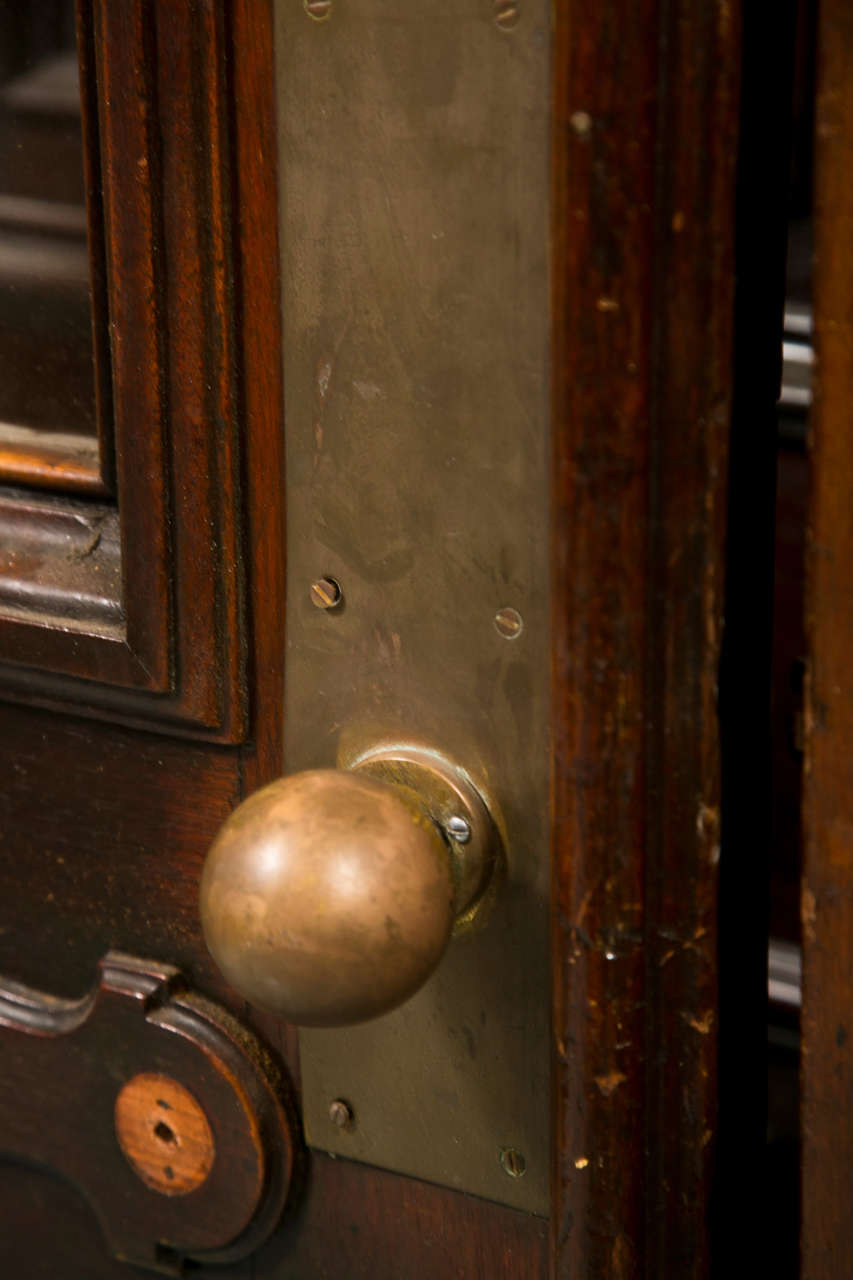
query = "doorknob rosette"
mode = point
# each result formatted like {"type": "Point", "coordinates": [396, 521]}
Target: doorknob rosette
{"type": "Point", "coordinates": [330, 896]}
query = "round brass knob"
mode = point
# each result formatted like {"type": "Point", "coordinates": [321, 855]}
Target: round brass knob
{"type": "Point", "coordinates": [329, 896]}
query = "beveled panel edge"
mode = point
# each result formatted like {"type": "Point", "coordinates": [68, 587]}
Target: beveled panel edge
{"type": "Point", "coordinates": [50, 460]}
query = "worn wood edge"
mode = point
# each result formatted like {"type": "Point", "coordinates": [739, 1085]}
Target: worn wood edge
{"type": "Point", "coordinates": [633, 963]}
{"type": "Point", "coordinates": [60, 564]}
{"type": "Point", "coordinates": [827, 916]}
{"type": "Point", "coordinates": [694, 301]}
{"type": "Point", "coordinates": [69, 464]}
{"type": "Point", "coordinates": [597, 782]}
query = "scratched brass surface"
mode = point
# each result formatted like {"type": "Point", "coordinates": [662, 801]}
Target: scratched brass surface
{"type": "Point", "coordinates": [414, 220]}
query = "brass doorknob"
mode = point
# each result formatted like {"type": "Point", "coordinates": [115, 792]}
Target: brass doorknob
{"type": "Point", "coordinates": [330, 896]}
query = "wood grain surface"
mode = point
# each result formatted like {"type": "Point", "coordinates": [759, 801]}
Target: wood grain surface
{"type": "Point", "coordinates": [827, 894]}
{"type": "Point", "coordinates": [645, 142]}
{"type": "Point", "coordinates": [164, 1133]}
{"type": "Point", "coordinates": [105, 826]}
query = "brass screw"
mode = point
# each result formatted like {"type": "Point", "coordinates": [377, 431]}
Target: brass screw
{"type": "Point", "coordinates": [326, 593]}
{"type": "Point", "coordinates": [340, 1114]}
{"type": "Point", "coordinates": [506, 14]}
{"type": "Point", "coordinates": [509, 623]}
{"type": "Point", "coordinates": [513, 1162]}
{"type": "Point", "coordinates": [319, 10]}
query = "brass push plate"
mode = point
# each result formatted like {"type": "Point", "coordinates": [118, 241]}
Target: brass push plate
{"type": "Point", "coordinates": [414, 225]}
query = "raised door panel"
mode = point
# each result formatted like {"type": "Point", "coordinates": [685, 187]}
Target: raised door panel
{"type": "Point", "coordinates": [130, 603]}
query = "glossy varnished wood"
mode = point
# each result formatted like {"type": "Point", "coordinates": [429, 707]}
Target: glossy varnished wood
{"type": "Point", "coordinates": [78, 787]}
{"type": "Point", "coordinates": [644, 148]}
{"type": "Point", "coordinates": [259, 395]}
{"type": "Point", "coordinates": [366, 1224]}
{"type": "Point", "coordinates": [105, 827]}
{"type": "Point", "coordinates": [102, 846]}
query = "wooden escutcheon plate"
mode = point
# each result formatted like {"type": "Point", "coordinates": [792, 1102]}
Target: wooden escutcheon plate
{"type": "Point", "coordinates": [157, 1104]}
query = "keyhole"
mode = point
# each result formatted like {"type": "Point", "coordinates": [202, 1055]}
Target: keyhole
{"type": "Point", "coordinates": [164, 1134]}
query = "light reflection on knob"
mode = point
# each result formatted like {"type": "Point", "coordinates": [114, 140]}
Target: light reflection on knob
{"type": "Point", "coordinates": [329, 897]}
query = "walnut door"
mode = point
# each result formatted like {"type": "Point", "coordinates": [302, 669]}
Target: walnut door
{"type": "Point", "coordinates": [445, 293]}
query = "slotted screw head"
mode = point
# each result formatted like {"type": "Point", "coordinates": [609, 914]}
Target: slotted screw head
{"type": "Point", "coordinates": [459, 829]}
{"type": "Point", "coordinates": [507, 13]}
{"type": "Point", "coordinates": [513, 1162]}
{"type": "Point", "coordinates": [319, 10]}
{"type": "Point", "coordinates": [509, 623]}
{"type": "Point", "coordinates": [326, 593]}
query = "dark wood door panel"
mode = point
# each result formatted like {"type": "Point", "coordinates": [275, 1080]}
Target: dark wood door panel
{"type": "Point", "coordinates": [434, 1233]}
{"type": "Point", "coordinates": [33, 1196]}
{"type": "Point", "coordinates": [113, 793]}
{"type": "Point", "coordinates": [104, 828]}
{"type": "Point", "coordinates": [367, 1224]}
{"type": "Point", "coordinates": [102, 846]}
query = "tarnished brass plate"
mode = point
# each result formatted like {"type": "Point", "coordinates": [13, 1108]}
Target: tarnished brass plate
{"type": "Point", "coordinates": [414, 225]}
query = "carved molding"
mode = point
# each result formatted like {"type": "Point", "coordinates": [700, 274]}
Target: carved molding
{"type": "Point", "coordinates": [66, 1065]}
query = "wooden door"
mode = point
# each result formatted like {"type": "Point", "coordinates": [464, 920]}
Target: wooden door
{"type": "Point", "coordinates": [144, 692]}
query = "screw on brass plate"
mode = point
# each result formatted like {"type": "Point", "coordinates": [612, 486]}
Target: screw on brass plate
{"type": "Point", "coordinates": [319, 10]}
{"type": "Point", "coordinates": [340, 1114]}
{"type": "Point", "coordinates": [459, 829]}
{"type": "Point", "coordinates": [506, 14]}
{"type": "Point", "coordinates": [326, 593]}
{"type": "Point", "coordinates": [509, 623]}
{"type": "Point", "coordinates": [513, 1162]}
